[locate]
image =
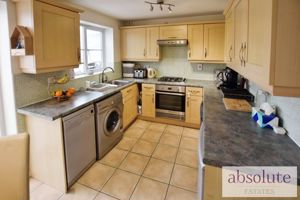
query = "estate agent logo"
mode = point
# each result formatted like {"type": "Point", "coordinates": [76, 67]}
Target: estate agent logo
{"type": "Point", "coordinates": [259, 181]}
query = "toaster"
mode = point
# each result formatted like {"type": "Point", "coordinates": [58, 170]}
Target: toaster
{"type": "Point", "coordinates": [140, 73]}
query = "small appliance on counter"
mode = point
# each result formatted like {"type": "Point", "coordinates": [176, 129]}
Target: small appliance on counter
{"type": "Point", "coordinates": [151, 72]}
{"type": "Point", "coordinates": [128, 70]}
{"type": "Point", "coordinates": [140, 73]}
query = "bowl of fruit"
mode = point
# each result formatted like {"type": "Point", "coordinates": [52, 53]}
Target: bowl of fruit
{"type": "Point", "coordinates": [63, 95]}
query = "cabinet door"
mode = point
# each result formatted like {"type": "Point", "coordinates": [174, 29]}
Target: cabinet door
{"type": "Point", "coordinates": [152, 46]}
{"type": "Point", "coordinates": [241, 33]}
{"type": "Point", "coordinates": [133, 44]}
{"type": "Point", "coordinates": [214, 42]}
{"type": "Point", "coordinates": [193, 104]}
{"type": "Point", "coordinates": [129, 96]}
{"type": "Point", "coordinates": [56, 34]}
{"type": "Point", "coordinates": [173, 32]}
{"type": "Point", "coordinates": [196, 45]}
{"type": "Point", "coordinates": [229, 37]}
{"type": "Point", "coordinates": [148, 100]}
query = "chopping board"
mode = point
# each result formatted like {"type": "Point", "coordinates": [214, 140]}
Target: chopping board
{"type": "Point", "coordinates": [237, 105]}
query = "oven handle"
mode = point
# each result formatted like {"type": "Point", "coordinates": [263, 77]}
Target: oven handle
{"type": "Point", "coordinates": [170, 93]}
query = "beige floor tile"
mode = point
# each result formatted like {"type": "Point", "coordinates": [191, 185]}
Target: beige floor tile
{"type": "Point", "coordinates": [97, 176]}
{"type": "Point", "coordinates": [174, 130]}
{"type": "Point", "coordinates": [134, 132]}
{"type": "Point", "coordinates": [184, 177]}
{"type": "Point", "coordinates": [134, 163]}
{"type": "Point", "coordinates": [151, 135]}
{"type": "Point", "coordinates": [190, 132]}
{"type": "Point", "coordinates": [159, 170]}
{"type": "Point", "coordinates": [175, 193]}
{"type": "Point", "coordinates": [121, 185]}
{"type": "Point", "coordinates": [126, 143]}
{"type": "Point", "coordinates": [141, 123]}
{"type": "Point", "coordinates": [189, 143]}
{"type": "Point", "coordinates": [187, 157]}
{"type": "Point", "coordinates": [45, 192]}
{"type": "Point", "coordinates": [157, 126]}
{"type": "Point", "coordinates": [149, 190]}
{"type": "Point", "coordinates": [169, 139]}
{"type": "Point", "coordinates": [165, 152]}
{"type": "Point", "coordinates": [79, 192]}
{"type": "Point", "coordinates": [102, 196]}
{"type": "Point", "coordinates": [114, 157]}
{"type": "Point", "coordinates": [33, 184]}
{"type": "Point", "coordinates": [144, 147]}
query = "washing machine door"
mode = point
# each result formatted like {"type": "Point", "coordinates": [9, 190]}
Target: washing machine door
{"type": "Point", "coordinates": [112, 122]}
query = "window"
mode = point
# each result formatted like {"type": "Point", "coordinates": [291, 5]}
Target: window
{"type": "Point", "coordinates": [92, 49]}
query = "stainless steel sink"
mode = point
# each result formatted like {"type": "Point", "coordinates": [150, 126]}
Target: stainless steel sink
{"type": "Point", "coordinates": [120, 82]}
{"type": "Point", "coordinates": [101, 87]}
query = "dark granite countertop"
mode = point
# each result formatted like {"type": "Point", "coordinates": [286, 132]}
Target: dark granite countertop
{"type": "Point", "coordinates": [233, 139]}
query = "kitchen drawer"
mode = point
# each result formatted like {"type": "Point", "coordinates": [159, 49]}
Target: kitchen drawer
{"type": "Point", "coordinates": [148, 87]}
{"type": "Point", "coordinates": [194, 91]}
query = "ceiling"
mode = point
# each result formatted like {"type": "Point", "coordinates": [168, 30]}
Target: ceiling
{"type": "Point", "coordinates": [138, 9]}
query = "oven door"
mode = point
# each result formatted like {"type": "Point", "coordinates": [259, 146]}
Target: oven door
{"type": "Point", "coordinates": [169, 104]}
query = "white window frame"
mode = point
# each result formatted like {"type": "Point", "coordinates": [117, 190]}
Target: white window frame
{"type": "Point", "coordinates": [84, 62]}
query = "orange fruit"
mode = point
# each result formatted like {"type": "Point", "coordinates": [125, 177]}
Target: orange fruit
{"type": "Point", "coordinates": [71, 90]}
{"type": "Point", "coordinates": [69, 94]}
{"type": "Point", "coordinates": [58, 93]}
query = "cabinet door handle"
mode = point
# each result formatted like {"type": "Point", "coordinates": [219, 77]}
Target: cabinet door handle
{"type": "Point", "coordinates": [240, 54]}
{"type": "Point", "coordinates": [144, 52]}
{"type": "Point", "coordinates": [174, 37]}
{"type": "Point", "coordinates": [156, 51]}
{"type": "Point", "coordinates": [78, 55]}
{"type": "Point", "coordinates": [188, 102]}
{"type": "Point", "coordinates": [230, 50]}
{"type": "Point", "coordinates": [189, 53]}
{"type": "Point", "coordinates": [205, 52]}
{"type": "Point", "coordinates": [244, 54]}
{"type": "Point", "coordinates": [129, 90]}
{"type": "Point", "coordinates": [153, 98]}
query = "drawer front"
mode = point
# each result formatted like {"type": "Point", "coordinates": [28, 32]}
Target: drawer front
{"type": "Point", "coordinates": [131, 90]}
{"type": "Point", "coordinates": [148, 87]}
{"type": "Point", "coordinates": [194, 91]}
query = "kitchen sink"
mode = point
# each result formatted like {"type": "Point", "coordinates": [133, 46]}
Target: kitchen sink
{"type": "Point", "coordinates": [120, 82]}
{"type": "Point", "coordinates": [101, 87]}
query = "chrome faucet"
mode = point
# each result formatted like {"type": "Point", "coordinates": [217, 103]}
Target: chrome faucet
{"type": "Point", "coordinates": [104, 77]}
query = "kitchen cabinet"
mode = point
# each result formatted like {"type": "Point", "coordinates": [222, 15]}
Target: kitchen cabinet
{"type": "Point", "coordinates": [266, 37]}
{"type": "Point", "coordinates": [140, 44]}
{"type": "Point", "coordinates": [148, 100]}
{"type": "Point", "coordinates": [55, 30]}
{"type": "Point", "coordinates": [206, 42]}
{"type": "Point", "coordinates": [173, 32]}
{"type": "Point", "coordinates": [130, 99]}
{"type": "Point", "coordinates": [229, 38]}
{"type": "Point", "coordinates": [194, 97]}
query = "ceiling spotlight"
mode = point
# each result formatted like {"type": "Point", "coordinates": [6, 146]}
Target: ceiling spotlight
{"type": "Point", "coordinates": [169, 8]}
{"type": "Point", "coordinates": [151, 8]}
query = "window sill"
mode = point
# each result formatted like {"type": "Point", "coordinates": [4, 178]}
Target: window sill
{"type": "Point", "coordinates": [79, 76]}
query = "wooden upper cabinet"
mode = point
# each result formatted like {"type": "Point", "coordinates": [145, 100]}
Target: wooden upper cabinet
{"type": "Point", "coordinates": [140, 44]}
{"type": "Point", "coordinates": [214, 41]}
{"type": "Point", "coordinates": [196, 42]}
{"type": "Point", "coordinates": [55, 30]}
{"type": "Point", "coordinates": [229, 37]}
{"type": "Point", "coordinates": [133, 44]}
{"type": "Point", "coordinates": [152, 35]}
{"type": "Point", "coordinates": [173, 32]}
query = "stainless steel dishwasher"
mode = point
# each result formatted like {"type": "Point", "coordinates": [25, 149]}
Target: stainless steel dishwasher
{"type": "Point", "coordinates": [80, 142]}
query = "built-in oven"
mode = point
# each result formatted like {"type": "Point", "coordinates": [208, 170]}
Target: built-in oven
{"type": "Point", "coordinates": [170, 101]}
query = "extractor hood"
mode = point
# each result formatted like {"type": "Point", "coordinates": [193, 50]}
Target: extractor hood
{"type": "Point", "coordinates": [173, 42]}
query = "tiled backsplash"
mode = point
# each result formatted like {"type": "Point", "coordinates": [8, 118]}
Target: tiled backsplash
{"type": "Point", "coordinates": [32, 88]}
{"type": "Point", "coordinates": [288, 108]}
{"type": "Point", "coordinates": [174, 62]}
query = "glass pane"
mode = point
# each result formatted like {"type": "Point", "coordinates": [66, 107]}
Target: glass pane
{"type": "Point", "coordinates": [95, 57]}
{"type": "Point", "coordinates": [94, 39]}
{"type": "Point", "coordinates": [112, 121]}
{"type": "Point", "coordinates": [81, 37]}
{"type": "Point", "coordinates": [79, 70]}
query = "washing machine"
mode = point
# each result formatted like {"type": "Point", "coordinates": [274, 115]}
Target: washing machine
{"type": "Point", "coordinates": [109, 123]}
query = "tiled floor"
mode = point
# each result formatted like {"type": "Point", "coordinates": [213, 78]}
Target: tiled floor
{"type": "Point", "coordinates": [152, 162]}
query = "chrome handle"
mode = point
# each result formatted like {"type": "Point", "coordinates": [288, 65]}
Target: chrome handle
{"type": "Point", "coordinates": [230, 50]}
{"type": "Point", "coordinates": [244, 54]}
{"type": "Point", "coordinates": [156, 51]}
{"type": "Point", "coordinates": [170, 93]}
{"type": "Point", "coordinates": [144, 52]}
{"type": "Point", "coordinates": [189, 53]}
{"type": "Point", "coordinates": [174, 37]}
{"type": "Point", "coordinates": [205, 53]}
{"type": "Point", "coordinates": [78, 54]}
{"type": "Point", "coordinates": [240, 56]}
{"type": "Point", "coordinates": [153, 98]}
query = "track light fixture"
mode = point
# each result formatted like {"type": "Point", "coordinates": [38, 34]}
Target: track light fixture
{"type": "Point", "coordinates": [160, 3]}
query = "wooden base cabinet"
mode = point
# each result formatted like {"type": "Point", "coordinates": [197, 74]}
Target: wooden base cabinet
{"type": "Point", "coordinates": [148, 100]}
{"type": "Point", "coordinates": [266, 36]}
{"type": "Point", "coordinates": [55, 31]}
{"type": "Point", "coordinates": [130, 98]}
{"type": "Point", "coordinates": [194, 97]}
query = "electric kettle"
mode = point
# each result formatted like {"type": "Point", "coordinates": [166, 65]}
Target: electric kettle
{"type": "Point", "coordinates": [151, 72]}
